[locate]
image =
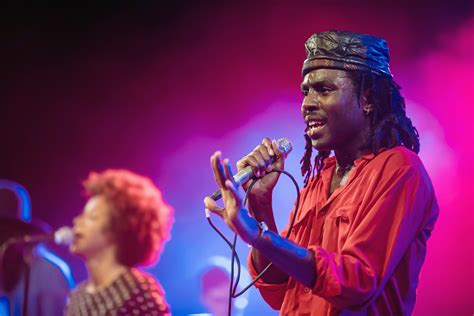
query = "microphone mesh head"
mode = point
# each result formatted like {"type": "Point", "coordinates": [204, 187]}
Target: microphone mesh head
{"type": "Point", "coordinates": [64, 236]}
{"type": "Point", "coordinates": [285, 146]}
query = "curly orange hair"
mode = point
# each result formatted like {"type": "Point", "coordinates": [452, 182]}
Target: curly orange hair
{"type": "Point", "coordinates": [140, 219]}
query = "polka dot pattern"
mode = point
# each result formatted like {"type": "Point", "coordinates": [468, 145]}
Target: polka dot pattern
{"type": "Point", "coordinates": [132, 293]}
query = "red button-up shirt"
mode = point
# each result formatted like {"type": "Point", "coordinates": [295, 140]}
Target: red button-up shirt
{"type": "Point", "coordinates": [368, 238]}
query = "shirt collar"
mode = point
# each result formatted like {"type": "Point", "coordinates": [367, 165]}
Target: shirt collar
{"type": "Point", "coordinates": [331, 161]}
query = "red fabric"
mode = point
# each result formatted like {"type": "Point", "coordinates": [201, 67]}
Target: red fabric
{"type": "Point", "coordinates": [368, 238]}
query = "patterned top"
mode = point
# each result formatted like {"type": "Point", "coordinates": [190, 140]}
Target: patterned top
{"type": "Point", "coordinates": [132, 293]}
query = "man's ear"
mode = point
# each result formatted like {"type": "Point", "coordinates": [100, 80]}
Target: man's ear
{"type": "Point", "coordinates": [367, 106]}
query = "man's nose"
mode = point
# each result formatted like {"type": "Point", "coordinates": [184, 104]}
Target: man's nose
{"type": "Point", "coordinates": [310, 103]}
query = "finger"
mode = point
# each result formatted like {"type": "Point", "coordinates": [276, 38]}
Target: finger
{"type": "Point", "coordinates": [267, 142]}
{"type": "Point", "coordinates": [279, 162]}
{"type": "Point", "coordinates": [218, 170]}
{"type": "Point", "coordinates": [234, 191]}
{"type": "Point", "coordinates": [264, 152]}
{"type": "Point", "coordinates": [242, 163]}
{"type": "Point", "coordinates": [262, 164]}
{"type": "Point", "coordinates": [254, 164]}
{"type": "Point", "coordinates": [228, 171]}
{"type": "Point", "coordinates": [212, 206]}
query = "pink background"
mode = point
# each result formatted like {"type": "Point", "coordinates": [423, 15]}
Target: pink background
{"type": "Point", "coordinates": [157, 89]}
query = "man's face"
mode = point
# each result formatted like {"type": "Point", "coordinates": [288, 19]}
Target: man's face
{"type": "Point", "coordinates": [92, 228]}
{"type": "Point", "coordinates": [333, 116]}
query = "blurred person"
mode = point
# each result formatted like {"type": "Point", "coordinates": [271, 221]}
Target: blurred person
{"type": "Point", "coordinates": [359, 239]}
{"type": "Point", "coordinates": [125, 223]}
{"type": "Point", "coordinates": [215, 281]}
{"type": "Point", "coordinates": [215, 291]}
{"type": "Point", "coordinates": [50, 278]}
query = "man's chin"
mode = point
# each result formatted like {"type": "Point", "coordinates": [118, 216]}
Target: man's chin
{"type": "Point", "coordinates": [320, 145]}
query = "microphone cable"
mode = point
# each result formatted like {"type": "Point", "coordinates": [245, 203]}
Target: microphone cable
{"type": "Point", "coordinates": [235, 256]}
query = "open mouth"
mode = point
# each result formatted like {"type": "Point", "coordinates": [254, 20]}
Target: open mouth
{"type": "Point", "coordinates": [77, 236]}
{"type": "Point", "coordinates": [314, 126]}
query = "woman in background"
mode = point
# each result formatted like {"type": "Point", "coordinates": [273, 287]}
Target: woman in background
{"type": "Point", "coordinates": [125, 223]}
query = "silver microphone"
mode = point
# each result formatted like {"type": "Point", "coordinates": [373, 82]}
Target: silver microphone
{"type": "Point", "coordinates": [62, 236]}
{"type": "Point", "coordinates": [245, 174]}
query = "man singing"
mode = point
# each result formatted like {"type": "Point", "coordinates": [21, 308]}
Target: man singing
{"type": "Point", "coordinates": [125, 223]}
{"type": "Point", "coordinates": [359, 239]}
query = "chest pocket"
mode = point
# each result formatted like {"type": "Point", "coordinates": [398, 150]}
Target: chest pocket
{"type": "Point", "coordinates": [301, 226]}
{"type": "Point", "coordinates": [338, 225]}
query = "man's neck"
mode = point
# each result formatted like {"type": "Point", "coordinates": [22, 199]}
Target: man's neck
{"type": "Point", "coordinates": [103, 270]}
{"type": "Point", "coordinates": [352, 150]}
{"type": "Point", "coordinates": [345, 157]}
{"type": "Point", "coordinates": [344, 162]}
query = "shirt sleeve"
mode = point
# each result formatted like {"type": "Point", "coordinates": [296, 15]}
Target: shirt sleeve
{"type": "Point", "coordinates": [400, 208]}
{"type": "Point", "coordinates": [273, 294]}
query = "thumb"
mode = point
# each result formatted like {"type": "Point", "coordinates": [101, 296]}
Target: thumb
{"type": "Point", "coordinates": [212, 206]}
{"type": "Point", "coordinates": [279, 162]}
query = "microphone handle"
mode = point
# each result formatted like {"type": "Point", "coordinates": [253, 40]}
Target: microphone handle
{"type": "Point", "coordinates": [246, 174]}
{"type": "Point", "coordinates": [240, 178]}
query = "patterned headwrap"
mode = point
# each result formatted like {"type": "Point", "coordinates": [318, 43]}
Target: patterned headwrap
{"type": "Point", "coordinates": [347, 51]}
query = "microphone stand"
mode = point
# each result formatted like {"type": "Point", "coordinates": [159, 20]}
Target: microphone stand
{"type": "Point", "coordinates": [27, 254]}
{"type": "Point", "coordinates": [27, 260]}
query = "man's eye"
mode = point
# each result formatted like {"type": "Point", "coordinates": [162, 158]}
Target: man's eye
{"type": "Point", "coordinates": [305, 92]}
{"type": "Point", "coordinates": [324, 90]}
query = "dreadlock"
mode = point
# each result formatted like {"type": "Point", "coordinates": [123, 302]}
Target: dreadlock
{"type": "Point", "coordinates": [307, 169]}
{"type": "Point", "coordinates": [389, 124]}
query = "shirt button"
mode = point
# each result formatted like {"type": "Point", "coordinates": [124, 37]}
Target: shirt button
{"type": "Point", "coordinates": [306, 290]}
